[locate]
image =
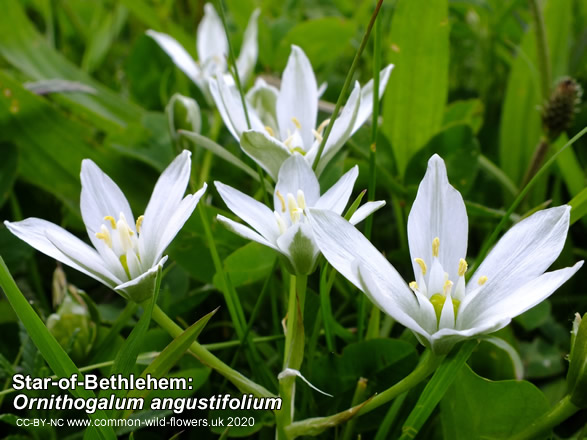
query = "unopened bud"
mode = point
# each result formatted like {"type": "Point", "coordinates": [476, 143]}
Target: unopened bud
{"type": "Point", "coordinates": [183, 113]}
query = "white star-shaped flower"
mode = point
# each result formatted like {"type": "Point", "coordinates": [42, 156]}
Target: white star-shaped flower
{"type": "Point", "coordinates": [439, 306]}
{"type": "Point", "coordinates": [126, 255]}
{"type": "Point", "coordinates": [284, 121]}
{"type": "Point", "coordinates": [286, 229]}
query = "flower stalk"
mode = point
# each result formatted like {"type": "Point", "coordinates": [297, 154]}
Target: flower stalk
{"type": "Point", "coordinates": [293, 355]}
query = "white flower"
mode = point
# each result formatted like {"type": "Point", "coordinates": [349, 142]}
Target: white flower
{"type": "Point", "coordinates": [126, 254]}
{"type": "Point", "coordinates": [286, 228]}
{"type": "Point", "coordinates": [212, 47]}
{"type": "Point", "coordinates": [285, 121]}
{"type": "Point", "coordinates": [439, 307]}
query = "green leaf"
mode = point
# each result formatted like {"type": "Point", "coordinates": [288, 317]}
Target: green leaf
{"type": "Point", "coordinates": [323, 40]}
{"type": "Point", "coordinates": [579, 206]}
{"type": "Point", "coordinates": [535, 317]}
{"type": "Point", "coordinates": [475, 407]}
{"type": "Point", "coordinates": [49, 348]}
{"type": "Point", "coordinates": [436, 388]}
{"type": "Point", "coordinates": [26, 49]}
{"type": "Point", "coordinates": [248, 264]}
{"type": "Point", "coordinates": [469, 111]}
{"type": "Point", "coordinates": [416, 94]}
{"type": "Point", "coordinates": [172, 353]}
{"type": "Point", "coordinates": [8, 170]}
{"type": "Point", "coordinates": [520, 127]}
{"type": "Point", "coordinates": [459, 148]}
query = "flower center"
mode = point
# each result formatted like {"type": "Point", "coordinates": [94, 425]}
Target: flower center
{"type": "Point", "coordinates": [434, 283]}
{"type": "Point", "coordinates": [121, 238]}
{"type": "Point", "coordinates": [294, 206]}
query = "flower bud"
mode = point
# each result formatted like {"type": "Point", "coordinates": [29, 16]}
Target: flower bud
{"type": "Point", "coordinates": [577, 376]}
{"type": "Point", "coordinates": [558, 112]}
{"type": "Point", "coordinates": [183, 113]}
{"type": "Point", "coordinates": [72, 325]}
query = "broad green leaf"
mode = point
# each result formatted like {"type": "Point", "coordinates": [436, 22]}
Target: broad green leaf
{"type": "Point", "coordinates": [520, 127]}
{"type": "Point", "coordinates": [105, 32]}
{"type": "Point", "coordinates": [52, 147]}
{"type": "Point", "coordinates": [416, 93]}
{"type": "Point", "coordinates": [49, 348]}
{"type": "Point", "coordinates": [535, 317]}
{"type": "Point", "coordinates": [459, 148]}
{"type": "Point", "coordinates": [323, 40]}
{"type": "Point", "coordinates": [468, 111]}
{"type": "Point", "coordinates": [27, 50]}
{"type": "Point", "coordinates": [436, 388]}
{"type": "Point", "coordinates": [474, 407]}
{"type": "Point", "coordinates": [542, 359]}
{"type": "Point", "coordinates": [248, 264]}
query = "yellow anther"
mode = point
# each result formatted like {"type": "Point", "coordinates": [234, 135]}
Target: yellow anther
{"type": "Point", "coordinates": [435, 246]}
{"type": "Point", "coordinates": [270, 131]}
{"type": "Point", "coordinates": [105, 236]}
{"type": "Point", "coordinates": [111, 220]}
{"type": "Point", "coordinates": [296, 123]}
{"type": "Point", "coordinates": [482, 280]}
{"type": "Point", "coordinates": [139, 223]}
{"type": "Point", "coordinates": [281, 199]}
{"type": "Point", "coordinates": [301, 199]}
{"type": "Point", "coordinates": [463, 266]}
{"type": "Point", "coordinates": [447, 286]}
{"type": "Point", "coordinates": [422, 265]}
{"type": "Point", "coordinates": [317, 135]}
{"type": "Point", "coordinates": [413, 286]}
{"type": "Point", "coordinates": [323, 125]}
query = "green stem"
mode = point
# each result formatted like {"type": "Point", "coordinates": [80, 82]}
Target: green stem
{"type": "Point", "coordinates": [558, 414]}
{"type": "Point", "coordinates": [347, 83]}
{"type": "Point", "coordinates": [491, 240]}
{"type": "Point", "coordinates": [241, 382]}
{"type": "Point", "coordinates": [542, 49]}
{"type": "Point", "coordinates": [315, 426]}
{"type": "Point", "coordinates": [294, 351]}
{"type": "Point", "coordinates": [498, 174]}
{"type": "Point", "coordinates": [358, 397]}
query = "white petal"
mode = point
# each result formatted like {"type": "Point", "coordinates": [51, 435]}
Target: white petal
{"type": "Point", "coordinates": [211, 43]}
{"type": "Point", "coordinates": [180, 57]}
{"type": "Point", "coordinates": [263, 99]}
{"type": "Point", "coordinates": [245, 232]}
{"type": "Point", "coordinates": [256, 214]}
{"type": "Point", "coordinates": [142, 287]}
{"type": "Point", "coordinates": [367, 97]}
{"type": "Point", "coordinates": [164, 201]}
{"type": "Point", "coordinates": [524, 252]}
{"type": "Point", "coordinates": [296, 174]}
{"type": "Point", "coordinates": [447, 315]}
{"type": "Point", "coordinates": [34, 232]}
{"type": "Point", "coordinates": [247, 58]}
{"type": "Point", "coordinates": [438, 211]}
{"type": "Point", "coordinates": [365, 211]}
{"type": "Point", "coordinates": [322, 88]}
{"type": "Point", "coordinates": [298, 245]}
{"type": "Point", "coordinates": [265, 150]}
{"type": "Point", "coordinates": [427, 318]}
{"type": "Point", "coordinates": [226, 107]}
{"type": "Point", "coordinates": [395, 300]}
{"type": "Point", "coordinates": [298, 97]}
{"type": "Point", "coordinates": [341, 243]}
{"type": "Point", "coordinates": [233, 106]}
{"type": "Point", "coordinates": [341, 131]}
{"type": "Point", "coordinates": [100, 197]}
{"type": "Point", "coordinates": [443, 340]}
{"type": "Point", "coordinates": [337, 197]}
{"type": "Point", "coordinates": [177, 220]}
{"type": "Point", "coordinates": [490, 306]}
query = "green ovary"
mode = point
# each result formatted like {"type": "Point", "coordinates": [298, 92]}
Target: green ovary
{"type": "Point", "coordinates": [438, 300]}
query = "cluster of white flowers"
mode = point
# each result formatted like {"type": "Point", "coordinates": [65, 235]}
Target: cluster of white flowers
{"type": "Point", "coordinates": [439, 306]}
